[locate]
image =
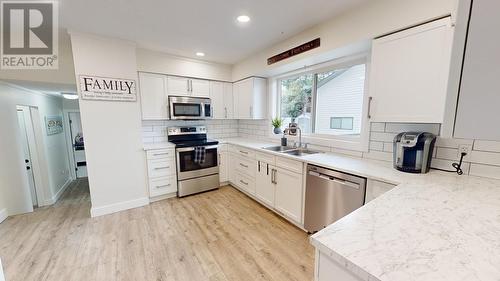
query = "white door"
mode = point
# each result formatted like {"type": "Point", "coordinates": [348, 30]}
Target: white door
{"type": "Point", "coordinates": [244, 98]}
{"type": "Point", "coordinates": [178, 86]}
{"type": "Point", "coordinates": [78, 144]}
{"type": "Point", "coordinates": [409, 74]}
{"type": "Point", "coordinates": [23, 117]}
{"type": "Point", "coordinates": [200, 88]}
{"type": "Point", "coordinates": [223, 167]}
{"type": "Point", "coordinates": [154, 100]}
{"type": "Point", "coordinates": [217, 99]}
{"type": "Point", "coordinates": [264, 187]}
{"type": "Point", "coordinates": [288, 193]}
{"type": "Point", "coordinates": [228, 101]}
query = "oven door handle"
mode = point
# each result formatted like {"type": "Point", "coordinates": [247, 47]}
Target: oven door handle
{"type": "Point", "coordinates": [184, 149]}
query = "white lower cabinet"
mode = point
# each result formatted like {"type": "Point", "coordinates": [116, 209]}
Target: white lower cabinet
{"type": "Point", "coordinates": [289, 193]}
{"type": "Point", "coordinates": [274, 181]}
{"type": "Point", "coordinates": [223, 163]}
{"type": "Point", "coordinates": [264, 187]}
{"type": "Point", "coordinates": [328, 269]}
{"type": "Point", "coordinates": [162, 172]}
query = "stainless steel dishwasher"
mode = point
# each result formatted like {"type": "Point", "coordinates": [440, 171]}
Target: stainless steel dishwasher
{"type": "Point", "coordinates": [330, 195]}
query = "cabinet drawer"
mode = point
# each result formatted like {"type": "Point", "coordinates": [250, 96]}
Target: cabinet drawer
{"type": "Point", "coordinates": [161, 186]}
{"type": "Point", "coordinates": [265, 157]}
{"type": "Point", "coordinates": [245, 152]}
{"type": "Point", "coordinates": [291, 165]}
{"type": "Point", "coordinates": [160, 153]}
{"type": "Point", "coordinates": [245, 166]}
{"type": "Point", "coordinates": [161, 168]}
{"type": "Point", "coordinates": [245, 182]}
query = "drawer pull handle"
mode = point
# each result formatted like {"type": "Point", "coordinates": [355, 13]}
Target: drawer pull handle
{"type": "Point", "coordinates": [245, 183]}
{"type": "Point", "coordinates": [161, 168]}
{"type": "Point", "coordinates": [244, 152]}
{"type": "Point", "coordinates": [243, 165]}
{"type": "Point", "coordinates": [165, 185]}
{"type": "Point", "coordinates": [159, 154]}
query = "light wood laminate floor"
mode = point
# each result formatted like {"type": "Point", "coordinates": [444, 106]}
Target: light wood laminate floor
{"type": "Point", "coordinates": [219, 235]}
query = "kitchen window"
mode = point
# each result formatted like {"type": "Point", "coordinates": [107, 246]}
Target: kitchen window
{"type": "Point", "coordinates": [327, 102]}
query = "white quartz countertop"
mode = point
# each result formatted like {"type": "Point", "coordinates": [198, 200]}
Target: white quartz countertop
{"type": "Point", "coordinates": [158, 145]}
{"type": "Point", "coordinates": [431, 227]}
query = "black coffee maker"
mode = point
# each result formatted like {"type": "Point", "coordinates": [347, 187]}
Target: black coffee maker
{"type": "Point", "coordinates": [413, 151]}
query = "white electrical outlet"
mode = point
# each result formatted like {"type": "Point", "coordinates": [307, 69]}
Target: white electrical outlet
{"type": "Point", "coordinates": [463, 148]}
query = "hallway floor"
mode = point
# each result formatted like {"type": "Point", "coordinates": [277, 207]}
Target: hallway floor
{"type": "Point", "coordinates": [219, 235]}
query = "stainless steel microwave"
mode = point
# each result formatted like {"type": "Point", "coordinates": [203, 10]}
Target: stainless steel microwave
{"type": "Point", "coordinates": [184, 108]}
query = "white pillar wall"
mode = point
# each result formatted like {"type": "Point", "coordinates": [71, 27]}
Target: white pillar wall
{"type": "Point", "coordinates": [112, 129]}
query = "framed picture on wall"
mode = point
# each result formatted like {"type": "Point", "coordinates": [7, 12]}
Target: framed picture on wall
{"type": "Point", "coordinates": [54, 124]}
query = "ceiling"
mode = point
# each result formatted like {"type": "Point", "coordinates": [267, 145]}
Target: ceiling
{"type": "Point", "coordinates": [184, 27]}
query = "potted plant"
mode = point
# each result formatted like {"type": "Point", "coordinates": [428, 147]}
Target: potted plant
{"type": "Point", "coordinates": [277, 123]}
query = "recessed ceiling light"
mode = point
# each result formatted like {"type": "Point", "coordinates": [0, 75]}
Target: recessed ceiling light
{"type": "Point", "coordinates": [70, 96]}
{"type": "Point", "coordinates": [200, 54]}
{"type": "Point", "coordinates": [243, 18]}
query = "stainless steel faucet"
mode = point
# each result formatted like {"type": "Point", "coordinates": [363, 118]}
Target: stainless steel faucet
{"type": "Point", "coordinates": [290, 131]}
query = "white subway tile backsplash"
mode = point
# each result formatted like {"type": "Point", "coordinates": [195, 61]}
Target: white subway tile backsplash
{"type": "Point", "coordinates": [447, 165]}
{"type": "Point", "coordinates": [377, 127]}
{"type": "Point", "coordinates": [447, 153]}
{"type": "Point", "coordinates": [487, 171]}
{"type": "Point", "coordinates": [388, 147]}
{"type": "Point", "coordinates": [483, 157]}
{"type": "Point", "coordinates": [378, 155]}
{"type": "Point", "coordinates": [492, 146]}
{"type": "Point", "coordinates": [406, 127]}
{"type": "Point", "coordinates": [377, 145]}
{"type": "Point", "coordinates": [382, 137]}
{"type": "Point", "coordinates": [453, 143]}
{"type": "Point", "coordinates": [353, 153]}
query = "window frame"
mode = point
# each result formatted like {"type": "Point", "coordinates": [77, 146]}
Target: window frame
{"type": "Point", "coordinates": [357, 143]}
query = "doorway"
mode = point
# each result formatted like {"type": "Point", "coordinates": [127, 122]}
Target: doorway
{"type": "Point", "coordinates": [28, 143]}
{"type": "Point", "coordinates": [77, 144]}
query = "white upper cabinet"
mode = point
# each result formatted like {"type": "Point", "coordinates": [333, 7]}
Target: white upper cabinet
{"type": "Point", "coordinates": [479, 100]}
{"type": "Point", "coordinates": [250, 98]}
{"type": "Point", "coordinates": [200, 88]}
{"type": "Point", "coordinates": [154, 101]}
{"type": "Point", "coordinates": [178, 86]}
{"type": "Point", "coordinates": [221, 95]}
{"type": "Point", "coordinates": [409, 74]}
{"type": "Point", "coordinates": [183, 86]}
{"type": "Point", "coordinates": [217, 99]}
{"type": "Point", "coordinates": [228, 101]}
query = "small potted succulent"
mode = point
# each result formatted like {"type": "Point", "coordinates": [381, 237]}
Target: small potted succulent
{"type": "Point", "coordinates": [277, 123]}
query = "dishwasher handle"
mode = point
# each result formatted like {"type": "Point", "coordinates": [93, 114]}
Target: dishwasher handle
{"type": "Point", "coordinates": [335, 180]}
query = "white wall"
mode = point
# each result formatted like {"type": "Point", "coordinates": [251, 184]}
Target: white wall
{"type": "Point", "coordinates": [363, 23]}
{"type": "Point", "coordinates": [157, 62]}
{"type": "Point", "coordinates": [14, 190]}
{"type": "Point", "coordinates": [113, 146]}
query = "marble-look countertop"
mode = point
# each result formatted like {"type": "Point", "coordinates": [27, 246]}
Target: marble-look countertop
{"type": "Point", "coordinates": [158, 145]}
{"type": "Point", "coordinates": [431, 227]}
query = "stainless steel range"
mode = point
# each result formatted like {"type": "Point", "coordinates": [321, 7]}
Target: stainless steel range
{"type": "Point", "coordinates": [196, 158]}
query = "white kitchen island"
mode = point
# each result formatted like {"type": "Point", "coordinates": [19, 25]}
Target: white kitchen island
{"type": "Point", "coordinates": [436, 228]}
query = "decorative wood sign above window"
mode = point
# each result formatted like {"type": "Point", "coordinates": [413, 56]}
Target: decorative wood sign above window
{"type": "Point", "coordinates": [294, 51]}
{"type": "Point", "coordinates": [110, 89]}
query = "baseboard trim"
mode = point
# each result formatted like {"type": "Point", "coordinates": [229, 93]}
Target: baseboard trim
{"type": "Point", "coordinates": [162, 197]}
{"type": "Point", "coordinates": [118, 207]}
{"type": "Point", "coordinates": [3, 215]}
{"type": "Point", "coordinates": [58, 195]}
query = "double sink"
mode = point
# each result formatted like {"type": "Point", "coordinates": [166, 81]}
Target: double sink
{"type": "Point", "coordinates": [291, 150]}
